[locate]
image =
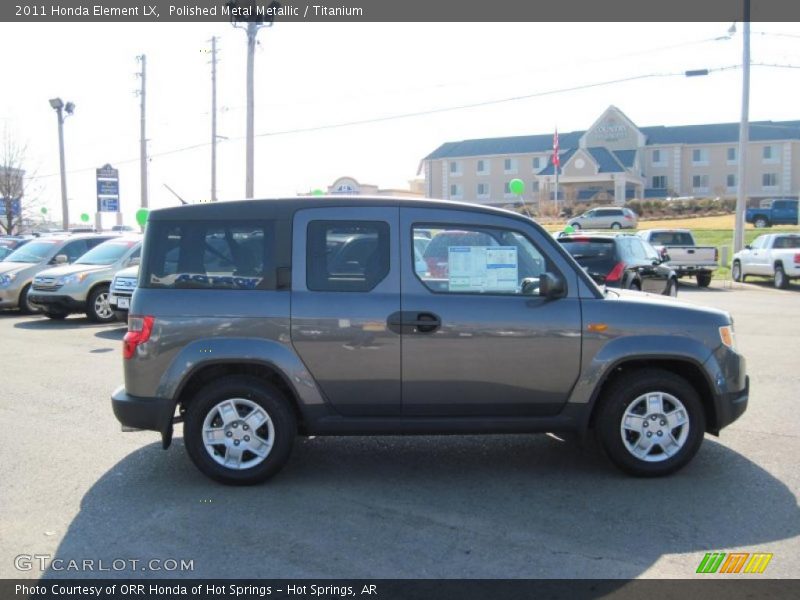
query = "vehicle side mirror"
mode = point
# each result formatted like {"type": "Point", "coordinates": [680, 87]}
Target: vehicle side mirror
{"type": "Point", "coordinates": [530, 286]}
{"type": "Point", "coordinates": [134, 261]}
{"type": "Point", "coordinates": [61, 259]}
{"type": "Point", "coordinates": [552, 286]}
{"type": "Point", "coordinates": [748, 247]}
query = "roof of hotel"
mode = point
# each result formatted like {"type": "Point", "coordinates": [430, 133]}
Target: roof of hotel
{"type": "Point", "coordinates": [681, 134]}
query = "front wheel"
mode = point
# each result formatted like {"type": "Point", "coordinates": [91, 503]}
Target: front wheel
{"type": "Point", "coordinates": [779, 279]}
{"type": "Point", "coordinates": [576, 226]}
{"type": "Point", "coordinates": [736, 271]}
{"type": "Point", "coordinates": [703, 279]}
{"type": "Point", "coordinates": [25, 306]}
{"type": "Point", "coordinates": [761, 222]}
{"type": "Point", "coordinates": [97, 307]}
{"type": "Point", "coordinates": [239, 430]}
{"type": "Point", "coordinates": [650, 423]}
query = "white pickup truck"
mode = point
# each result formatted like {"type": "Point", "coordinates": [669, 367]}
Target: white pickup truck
{"type": "Point", "coordinates": [775, 255]}
{"type": "Point", "coordinates": [685, 256]}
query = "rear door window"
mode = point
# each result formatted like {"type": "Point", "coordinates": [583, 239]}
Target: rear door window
{"type": "Point", "coordinates": [210, 255]}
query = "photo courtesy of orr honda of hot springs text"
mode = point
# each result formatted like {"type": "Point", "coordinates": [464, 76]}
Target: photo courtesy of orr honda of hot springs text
{"type": "Point", "coordinates": [256, 321]}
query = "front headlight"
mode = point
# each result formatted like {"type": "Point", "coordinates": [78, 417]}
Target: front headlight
{"type": "Point", "coordinates": [7, 279]}
{"type": "Point", "coordinates": [727, 336]}
{"type": "Point", "coordinates": [74, 278]}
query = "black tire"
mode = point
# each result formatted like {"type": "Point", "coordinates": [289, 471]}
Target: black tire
{"type": "Point", "coordinates": [616, 226]}
{"type": "Point", "coordinates": [736, 271]}
{"type": "Point", "coordinates": [761, 222]}
{"type": "Point", "coordinates": [626, 391]}
{"type": "Point", "coordinates": [672, 287]}
{"type": "Point", "coordinates": [779, 279]}
{"type": "Point", "coordinates": [269, 399]}
{"type": "Point", "coordinates": [703, 279]}
{"type": "Point", "coordinates": [25, 307]}
{"type": "Point", "coordinates": [55, 316]}
{"type": "Point", "coordinates": [92, 310]}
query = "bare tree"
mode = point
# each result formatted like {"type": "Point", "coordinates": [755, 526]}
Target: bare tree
{"type": "Point", "coordinates": [14, 205]}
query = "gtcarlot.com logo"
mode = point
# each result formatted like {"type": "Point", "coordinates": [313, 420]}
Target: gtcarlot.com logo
{"type": "Point", "coordinates": [734, 562]}
{"type": "Point", "coordinates": [44, 562]}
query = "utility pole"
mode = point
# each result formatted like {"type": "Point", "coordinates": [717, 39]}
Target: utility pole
{"type": "Point", "coordinates": [142, 134]}
{"type": "Point", "coordinates": [741, 188]}
{"type": "Point", "coordinates": [214, 119]}
{"type": "Point", "coordinates": [252, 31]}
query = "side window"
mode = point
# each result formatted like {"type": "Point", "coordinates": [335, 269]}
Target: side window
{"type": "Point", "coordinates": [650, 253]}
{"type": "Point", "coordinates": [74, 250]}
{"type": "Point", "coordinates": [637, 248]}
{"type": "Point", "coordinates": [346, 256]}
{"type": "Point", "coordinates": [479, 260]}
{"type": "Point", "coordinates": [211, 255]}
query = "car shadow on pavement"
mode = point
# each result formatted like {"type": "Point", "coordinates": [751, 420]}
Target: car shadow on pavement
{"type": "Point", "coordinates": [69, 323]}
{"type": "Point", "coordinates": [113, 334]}
{"type": "Point", "coordinates": [429, 507]}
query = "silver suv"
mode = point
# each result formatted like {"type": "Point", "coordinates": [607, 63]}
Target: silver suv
{"type": "Point", "coordinates": [82, 287]}
{"type": "Point", "coordinates": [254, 321]}
{"type": "Point", "coordinates": [19, 268]}
{"type": "Point", "coordinates": [611, 217]}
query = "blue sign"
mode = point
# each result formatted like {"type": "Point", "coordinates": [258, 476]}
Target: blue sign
{"type": "Point", "coordinates": [107, 189]}
{"type": "Point", "coordinates": [15, 204]}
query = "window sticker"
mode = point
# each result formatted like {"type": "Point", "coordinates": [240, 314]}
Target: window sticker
{"type": "Point", "coordinates": [482, 268]}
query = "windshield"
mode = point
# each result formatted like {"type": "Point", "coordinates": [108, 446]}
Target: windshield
{"type": "Point", "coordinates": [33, 252]}
{"type": "Point", "coordinates": [106, 253]}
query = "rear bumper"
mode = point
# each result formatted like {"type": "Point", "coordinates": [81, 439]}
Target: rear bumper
{"type": "Point", "coordinates": [154, 414]}
{"type": "Point", "coordinates": [54, 303]}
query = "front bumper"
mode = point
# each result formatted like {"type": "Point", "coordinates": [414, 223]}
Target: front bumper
{"type": "Point", "coordinates": [137, 412]}
{"type": "Point", "coordinates": [56, 303]}
{"type": "Point", "coordinates": [9, 296]}
{"type": "Point", "coordinates": [732, 405]}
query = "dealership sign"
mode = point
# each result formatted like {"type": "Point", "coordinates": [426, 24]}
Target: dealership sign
{"type": "Point", "coordinates": [107, 189]}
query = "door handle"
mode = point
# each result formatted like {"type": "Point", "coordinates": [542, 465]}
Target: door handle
{"type": "Point", "coordinates": [413, 322]}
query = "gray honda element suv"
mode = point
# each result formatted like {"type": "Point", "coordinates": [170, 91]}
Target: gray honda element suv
{"type": "Point", "coordinates": [259, 320]}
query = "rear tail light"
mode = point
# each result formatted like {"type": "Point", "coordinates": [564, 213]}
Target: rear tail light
{"type": "Point", "coordinates": [628, 217]}
{"type": "Point", "coordinates": [615, 274]}
{"type": "Point", "coordinates": [139, 330]}
{"type": "Point", "coordinates": [797, 258]}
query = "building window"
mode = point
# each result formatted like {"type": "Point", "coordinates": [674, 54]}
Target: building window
{"type": "Point", "coordinates": [768, 154]}
{"type": "Point", "coordinates": [769, 180]}
{"type": "Point", "coordinates": [535, 186]}
{"type": "Point", "coordinates": [455, 190]}
{"type": "Point", "coordinates": [537, 163]}
{"type": "Point", "coordinates": [455, 168]}
{"type": "Point", "coordinates": [658, 158]}
{"type": "Point", "coordinates": [730, 181]}
{"type": "Point", "coordinates": [700, 156]}
{"type": "Point", "coordinates": [700, 183]}
{"type": "Point", "coordinates": [732, 152]}
{"type": "Point", "coordinates": [483, 190]}
{"type": "Point", "coordinates": [510, 165]}
{"type": "Point", "coordinates": [660, 182]}
{"type": "Point", "coordinates": [483, 167]}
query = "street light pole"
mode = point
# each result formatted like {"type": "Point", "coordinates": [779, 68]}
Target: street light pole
{"type": "Point", "coordinates": [741, 177]}
{"type": "Point", "coordinates": [252, 31]}
{"type": "Point", "coordinates": [58, 105]}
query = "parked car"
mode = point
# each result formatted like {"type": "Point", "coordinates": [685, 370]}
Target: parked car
{"type": "Point", "coordinates": [19, 268]}
{"type": "Point", "coordinates": [678, 248]}
{"type": "Point", "coordinates": [775, 255]}
{"type": "Point", "coordinates": [611, 217]}
{"type": "Point", "coordinates": [122, 287]}
{"type": "Point", "coordinates": [264, 338]}
{"type": "Point", "coordinates": [9, 243]}
{"type": "Point", "coordinates": [622, 261]}
{"type": "Point", "coordinates": [123, 228]}
{"type": "Point", "coordinates": [778, 211]}
{"type": "Point", "coordinates": [83, 287]}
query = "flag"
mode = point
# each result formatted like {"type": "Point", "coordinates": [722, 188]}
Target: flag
{"type": "Point", "coordinates": [556, 159]}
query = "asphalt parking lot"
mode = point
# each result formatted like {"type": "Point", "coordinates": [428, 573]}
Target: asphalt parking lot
{"type": "Point", "coordinates": [75, 487]}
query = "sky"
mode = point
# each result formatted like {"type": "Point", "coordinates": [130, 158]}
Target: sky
{"type": "Point", "coordinates": [311, 76]}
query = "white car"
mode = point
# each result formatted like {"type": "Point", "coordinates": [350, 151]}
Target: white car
{"type": "Point", "coordinates": [775, 255]}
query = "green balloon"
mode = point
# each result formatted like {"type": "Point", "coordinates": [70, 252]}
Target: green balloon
{"type": "Point", "coordinates": [517, 186]}
{"type": "Point", "coordinates": [569, 229]}
{"type": "Point", "coordinates": [85, 218]}
{"type": "Point", "coordinates": [317, 192]}
{"type": "Point", "coordinates": [44, 210]}
{"type": "Point", "coordinates": [141, 216]}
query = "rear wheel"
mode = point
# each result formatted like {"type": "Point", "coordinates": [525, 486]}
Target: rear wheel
{"type": "Point", "coordinates": [761, 222]}
{"type": "Point", "coordinates": [25, 306]}
{"type": "Point", "coordinates": [736, 271]}
{"type": "Point", "coordinates": [650, 422]}
{"type": "Point", "coordinates": [97, 307]}
{"type": "Point", "coordinates": [616, 226]}
{"type": "Point", "coordinates": [703, 279]}
{"type": "Point", "coordinates": [239, 430]}
{"type": "Point", "coordinates": [779, 279]}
